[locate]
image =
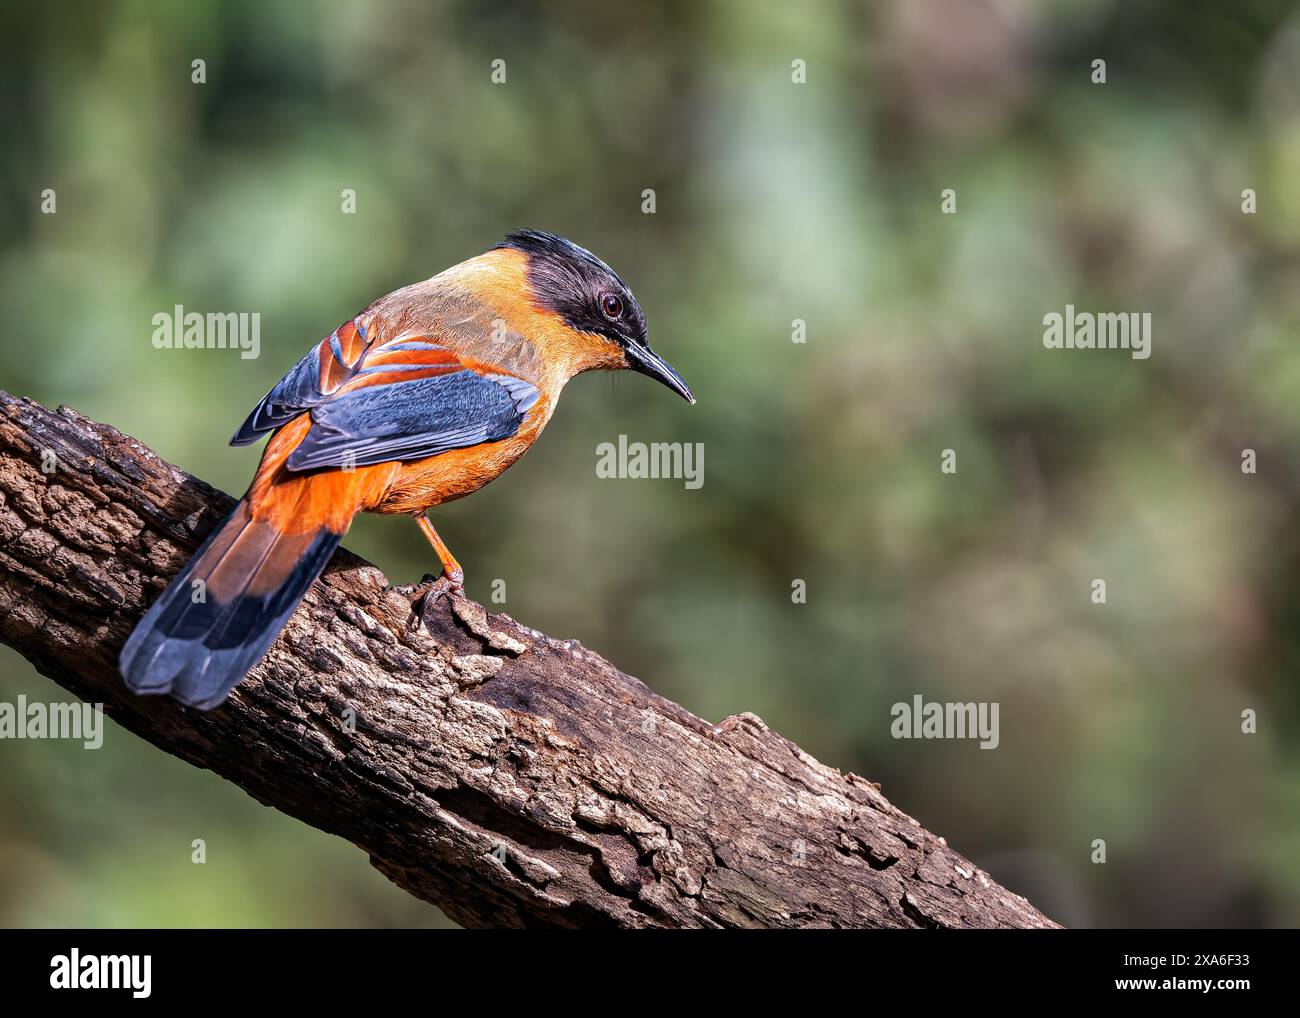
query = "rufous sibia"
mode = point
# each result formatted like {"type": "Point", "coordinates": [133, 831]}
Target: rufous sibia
{"type": "Point", "coordinates": [425, 396]}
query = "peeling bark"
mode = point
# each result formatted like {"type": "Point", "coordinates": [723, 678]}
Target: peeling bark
{"type": "Point", "coordinates": [509, 778]}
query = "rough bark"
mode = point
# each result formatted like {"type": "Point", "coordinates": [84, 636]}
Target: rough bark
{"type": "Point", "coordinates": [510, 778]}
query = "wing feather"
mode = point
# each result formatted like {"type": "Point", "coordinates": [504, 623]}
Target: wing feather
{"type": "Point", "coordinates": [377, 401]}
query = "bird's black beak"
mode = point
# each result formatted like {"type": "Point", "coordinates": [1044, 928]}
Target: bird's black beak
{"type": "Point", "coordinates": [646, 361]}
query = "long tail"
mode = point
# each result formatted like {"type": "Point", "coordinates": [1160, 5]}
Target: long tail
{"type": "Point", "coordinates": [224, 609]}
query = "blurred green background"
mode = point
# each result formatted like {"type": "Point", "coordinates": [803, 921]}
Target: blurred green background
{"type": "Point", "coordinates": [775, 201]}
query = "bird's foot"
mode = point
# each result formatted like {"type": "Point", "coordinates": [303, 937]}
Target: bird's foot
{"type": "Point", "coordinates": [414, 591]}
{"type": "Point", "coordinates": [430, 590]}
{"type": "Point", "coordinates": [445, 585]}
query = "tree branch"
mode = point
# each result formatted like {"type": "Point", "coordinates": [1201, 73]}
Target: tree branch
{"type": "Point", "coordinates": [507, 777]}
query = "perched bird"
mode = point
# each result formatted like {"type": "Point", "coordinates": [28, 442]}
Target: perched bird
{"type": "Point", "coordinates": [425, 396]}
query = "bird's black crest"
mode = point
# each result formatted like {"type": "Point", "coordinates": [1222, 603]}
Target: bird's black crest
{"type": "Point", "coordinates": [571, 281]}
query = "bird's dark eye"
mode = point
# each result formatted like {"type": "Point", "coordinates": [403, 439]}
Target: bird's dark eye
{"type": "Point", "coordinates": [611, 306]}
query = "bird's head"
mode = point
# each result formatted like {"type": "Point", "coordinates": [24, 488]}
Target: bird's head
{"type": "Point", "coordinates": [593, 302]}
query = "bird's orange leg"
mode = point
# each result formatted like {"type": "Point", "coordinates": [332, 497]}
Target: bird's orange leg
{"type": "Point", "coordinates": [450, 567]}
{"type": "Point", "coordinates": [452, 579]}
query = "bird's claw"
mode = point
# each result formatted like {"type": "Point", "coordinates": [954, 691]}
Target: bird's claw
{"type": "Point", "coordinates": [429, 591]}
{"type": "Point", "coordinates": [414, 591]}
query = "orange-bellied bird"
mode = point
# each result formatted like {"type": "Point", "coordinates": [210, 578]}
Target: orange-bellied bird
{"type": "Point", "coordinates": [425, 396]}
